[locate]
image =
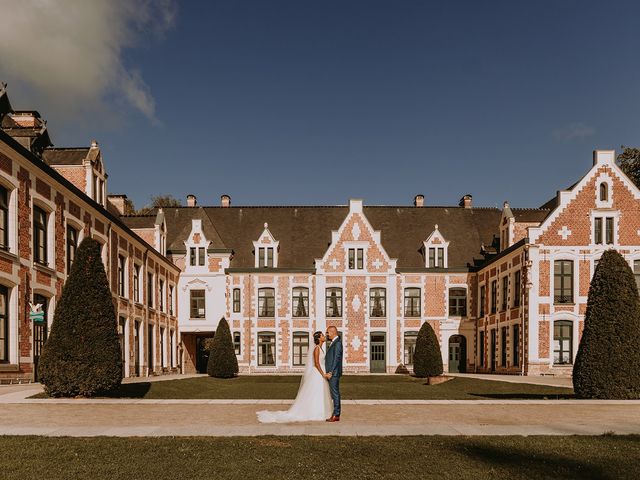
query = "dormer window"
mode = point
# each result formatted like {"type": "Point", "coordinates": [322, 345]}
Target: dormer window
{"type": "Point", "coordinates": [266, 250]}
{"type": "Point", "coordinates": [265, 257]}
{"type": "Point", "coordinates": [356, 258]}
{"type": "Point", "coordinates": [435, 250]}
{"type": "Point", "coordinates": [197, 256]}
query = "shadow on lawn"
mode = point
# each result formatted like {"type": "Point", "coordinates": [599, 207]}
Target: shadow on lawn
{"type": "Point", "coordinates": [535, 464]}
{"type": "Point", "coordinates": [526, 396]}
{"type": "Point", "coordinates": [130, 390]}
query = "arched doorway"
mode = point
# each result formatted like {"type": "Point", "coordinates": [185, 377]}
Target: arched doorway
{"type": "Point", "coordinates": [457, 354]}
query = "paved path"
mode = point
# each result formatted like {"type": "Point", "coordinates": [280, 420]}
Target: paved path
{"type": "Point", "coordinates": [238, 417]}
{"type": "Point", "coordinates": [534, 380]}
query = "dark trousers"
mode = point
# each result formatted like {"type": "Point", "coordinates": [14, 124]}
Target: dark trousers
{"type": "Point", "coordinates": [334, 388]}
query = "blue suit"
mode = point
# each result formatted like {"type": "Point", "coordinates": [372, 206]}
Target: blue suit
{"type": "Point", "coordinates": [333, 365]}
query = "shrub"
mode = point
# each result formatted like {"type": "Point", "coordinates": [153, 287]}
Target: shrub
{"type": "Point", "coordinates": [82, 354]}
{"type": "Point", "coordinates": [427, 357]}
{"type": "Point", "coordinates": [608, 361]}
{"type": "Point", "coordinates": [222, 358]}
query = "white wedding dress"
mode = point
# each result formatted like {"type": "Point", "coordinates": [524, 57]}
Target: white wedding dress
{"type": "Point", "coordinates": [313, 401]}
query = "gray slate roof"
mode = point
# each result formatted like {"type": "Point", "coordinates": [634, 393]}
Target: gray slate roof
{"type": "Point", "coordinates": [304, 232]}
{"type": "Point", "coordinates": [65, 156]}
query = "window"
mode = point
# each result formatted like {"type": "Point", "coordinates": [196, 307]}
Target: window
{"type": "Point", "coordinates": [266, 349]}
{"type": "Point", "coordinates": [237, 344]}
{"type": "Point", "coordinates": [503, 346]}
{"type": "Point", "coordinates": [412, 302]}
{"type": "Point", "coordinates": [192, 256]}
{"type": "Point", "coordinates": [171, 348]}
{"type": "Point", "coordinates": [197, 256]}
{"type": "Point", "coordinates": [197, 304]}
{"type": "Point", "coordinates": [300, 348]}
{"type": "Point", "coordinates": [409, 346]}
{"type": "Point", "coordinates": [333, 302]}
{"type": "Point", "coordinates": [608, 223]}
{"type": "Point", "coordinates": [378, 302]}
{"type": "Point", "coordinates": [72, 246]}
{"type": "Point", "coordinates": [161, 294]}
{"type": "Point", "coordinates": [4, 324]}
{"type": "Point", "coordinates": [516, 289]}
{"type": "Point", "coordinates": [356, 258]}
{"type": "Point", "coordinates": [494, 296]}
{"type": "Point", "coordinates": [162, 347]}
{"type": "Point", "coordinates": [265, 257]}
{"type": "Point", "coordinates": [457, 302]}
{"type": "Point", "coordinates": [505, 290]}
{"type": "Point", "coordinates": [562, 342]}
{"type": "Point", "coordinates": [436, 257]}
{"type": "Point", "coordinates": [40, 235]}
{"type": "Point", "coordinates": [636, 272]}
{"type": "Point", "coordinates": [481, 348]}
{"type": "Point", "coordinates": [150, 290]}
{"type": "Point", "coordinates": [300, 302]}
{"type": "Point", "coordinates": [121, 275]}
{"type": "Point", "coordinates": [136, 283]}
{"type": "Point", "coordinates": [201, 256]}
{"type": "Point", "coordinates": [604, 192]}
{"type": "Point", "coordinates": [483, 299]}
{"type": "Point", "coordinates": [266, 302]}
{"type": "Point", "coordinates": [171, 301]}
{"type": "Point", "coordinates": [236, 300]}
{"type": "Point", "coordinates": [516, 345]}
{"type": "Point", "coordinates": [563, 281]}
{"type": "Point", "coordinates": [4, 218]}
{"type": "Point", "coordinates": [608, 233]}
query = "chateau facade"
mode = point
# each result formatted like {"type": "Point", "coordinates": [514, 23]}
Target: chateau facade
{"type": "Point", "coordinates": [504, 289]}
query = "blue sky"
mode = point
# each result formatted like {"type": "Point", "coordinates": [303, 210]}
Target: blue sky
{"type": "Point", "coordinates": [299, 102]}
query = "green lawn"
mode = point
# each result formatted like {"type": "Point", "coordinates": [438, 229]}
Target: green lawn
{"type": "Point", "coordinates": [390, 387]}
{"type": "Point", "coordinates": [320, 457]}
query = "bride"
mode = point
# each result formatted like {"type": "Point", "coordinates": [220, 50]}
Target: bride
{"type": "Point", "coordinates": [313, 401]}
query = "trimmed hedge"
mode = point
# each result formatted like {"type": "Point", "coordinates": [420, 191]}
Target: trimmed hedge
{"type": "Point", "coordinates": [222, 359]}
{"type": "Point", "coordinates": [427, 357]}
{"type": "Point", "coordinates": [81, 357]}
{"type": "Point", "coordinates": [608, 361]}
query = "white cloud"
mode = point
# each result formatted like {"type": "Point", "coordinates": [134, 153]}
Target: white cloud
{"type": "Point", "coordinates": [573, 131]}
{"type": "Point", "coordinates": [68, 54]}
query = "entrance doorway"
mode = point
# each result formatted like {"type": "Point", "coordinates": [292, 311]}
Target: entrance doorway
{"type": "Point", "coordinates": [40, 333]}
{"type": "Point", "coordinates": [203, 347]}
{"type": "Point", "coordinates": [457, 354]}
{"type": "Point", "coordinates": [378, 349]}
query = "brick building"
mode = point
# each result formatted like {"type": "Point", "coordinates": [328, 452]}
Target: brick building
{"type": "Point", "coordinates": [504, 289]}
{"type": "Point", "coordinates": [50, 199]}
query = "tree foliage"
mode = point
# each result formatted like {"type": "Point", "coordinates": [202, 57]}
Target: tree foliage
{"type": "Point", "coordinates": [222, 358]}
{"type": "Point", "coordinates": [159, 201]}
{"type": "Point", "coordinates": [82, 354]}
{"type": "Point", "coordinates": [629, 161]}
{"type": "Point", "coordinates": [427, 357]}
{"type": "Point", "coordinates": [608, 361]}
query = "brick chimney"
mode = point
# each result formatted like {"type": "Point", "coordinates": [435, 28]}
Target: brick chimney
{"type": "Point", "coordinates": [120, 203]}
{"type": "Point", "coordinates": [418, 200]}
{"type": "Point", "coordinates": [225, 201]}
{"type": "Point", "coordinates": [192, 201]}
{"type": "Point", "coordinates": [466, 201]}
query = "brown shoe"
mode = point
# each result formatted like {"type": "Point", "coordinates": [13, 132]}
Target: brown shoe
{"type": "Point", "coordinates": [333, 418]}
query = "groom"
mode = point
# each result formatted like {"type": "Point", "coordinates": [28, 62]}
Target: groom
{"type": "Point", "coordinates": [333, 367]}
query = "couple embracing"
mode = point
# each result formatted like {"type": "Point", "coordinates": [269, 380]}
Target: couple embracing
{"type": "Point", "coordinates": [319, 393]}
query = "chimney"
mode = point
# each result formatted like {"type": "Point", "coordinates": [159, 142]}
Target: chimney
{"type": "Point", "coordinates": [120, 203]}
{"type": "Point", "coordinates": [225, 201]}
{"type": "Point", "coordinates": [418, 200]}
{"type": "Point", "coordinates": [192, 201]}
{"type": "Point", "coordinates": [466, 201]}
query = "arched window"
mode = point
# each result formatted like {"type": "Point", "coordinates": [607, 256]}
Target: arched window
{"type": "Point", "coordinates": [604, 192]}
{"type": "Point", "coordinates": [563, 342]}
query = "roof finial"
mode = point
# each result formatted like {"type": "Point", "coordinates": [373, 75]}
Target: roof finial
{"type": "Point", "coordinates": [436, 225]}
{"type": "Point", "coordinates": [266, 225]}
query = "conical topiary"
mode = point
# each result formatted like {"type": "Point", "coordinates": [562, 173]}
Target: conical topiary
{"type": "Point", "coordinates": [608, 361]}
{"type": "Point", "coordinates": [82, 354]}
{"type": "Point", "coordinates": [427, 357]}
{"type": "Point", "coordinates": [222, 358]}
